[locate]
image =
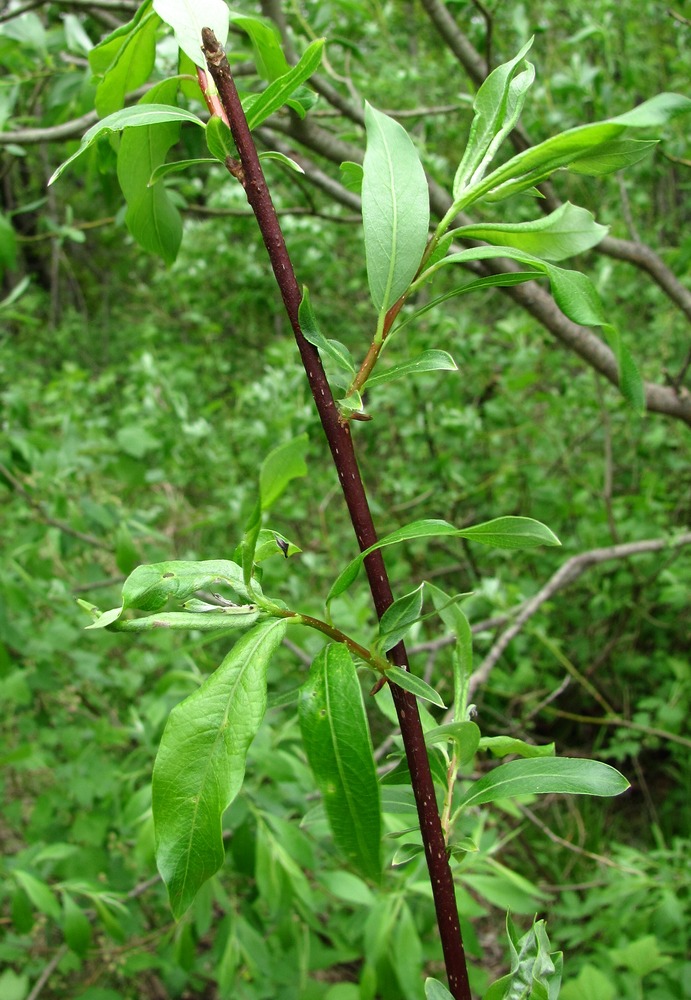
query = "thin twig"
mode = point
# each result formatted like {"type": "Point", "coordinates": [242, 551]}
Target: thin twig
{"type": "Point", "coordinates": [566, 574]}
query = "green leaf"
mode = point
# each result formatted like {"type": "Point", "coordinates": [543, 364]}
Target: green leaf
{"type": "Point", "coordinates": [278, 92]}
{"type": "Point", "coordinates": [351, 176]}
{"type": "Point", "coordinates": [497, 106]}
{"type": "Point", "coordinates": [466, 736]}
{"type": "Point", "coordinates": [266, 44]}
{"type": "Point", "coordinates": [280, 466]}
{"type": "Point", "coordinates": [312, 333]}
{"type": "Point", "coordinates": [124, 60]}
{"type": "Point", "coordinates": [38, 892]}
{"type": "Point", "coordinates": [75, 926]}
{"type": "Point", "coordinates": [338, 746]}
{"type": "Point", "coordinates": [611, 156]}
{"type": "Point", "coordinates": [8, 244]}
{"type": "Point", "coordinates": [149, 587]}
{"type": "Point", "coordinates": [428, 361]}
{"type": "Point", "coordinates": [594, 143]}
{"type": "Point", "coordinates": [200, 765]}
{"type": "Point", "coordinates": [188, 17]}
{"type": "Point", "coordinates": [395, 209]}
{"type": "Point", "coordinates": [434, 990]}
{"type": "Point", "coordinates": [151, 216]}
{"type": "Point", "coordinates": [630, 382]}
{"type": "Point", "coordinates": [535, 973]}
{"type": "Point", "coordinates": [220, 620]}
{"type": "Point", "coordinates": [565, 775]}
{"type": "Point", "coordinates": [397, 620]}
{"type": "Point", "coordinates": [219, 139]}
{"type": "Point", "coordinates": [565, 232]}
{"type": "Point", "coordinates": [414, 684]}
{"type": "Point", "coordinates": [134, 117]}
{"type": "Point", "coordinates": [454, 618]}
{"type": "Point", "coordinates": [502, 746]}
{"type": "Point", "coordinates": [286, 161]}
{"type": "Point", "coordinates": [174, 168]}
{"type": "Point", "coordinates": [502, 532]}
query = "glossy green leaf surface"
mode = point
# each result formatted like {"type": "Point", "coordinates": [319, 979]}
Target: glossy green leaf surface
{"type": "Point", "coordinates": [502, 746]}
{"type": "Point", "coordinates": [219, 139]}
{"type": "Point", "coordinates": [415, 685]}
{"type": "Point", "coordinates": [150, 586]}
{"type": "Point", "coordinates": [434, 990]}
{"type": "Point", "coordinates": [222, 620]}
{"type": "Point", "coordinates": [200, 763]}
{"type": "Point", "coordinates": [497, 106]}
{"type": "Point", "coordinates": [502, 532]}
{"type": "Point", "coordinates": [278, 92]}
{"type": "Point", "coordinates": [397, 620]}
{"type": "Point", "coordinates": [466, 736]}
{"type": "Point", "coordinates": [280, 466]}
{"type": "Point", "coordinates": [134, 117]}
{"type": "Point", "coordinates": [124, 60]}
{"type": "Point", "coordinates": [339, 749]}
{"type": "Point", "coordinates": [310, 328]}
{"type": "Point", "coordinates": [151, 216]}
{"type": "Point", "coordinates": [395, 208]}
{"type": "Point", "coordinates": [428, 361]}
{"type": "Point", "coordinates": [540, 776]}
{"type": "Point", "coordinates": [188, 17]}
{"type": "Point", "coordinates": [266, 45]}
{"type": "Point", "coordinates": [565, 232]}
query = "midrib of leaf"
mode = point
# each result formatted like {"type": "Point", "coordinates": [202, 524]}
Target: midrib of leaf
{"type": "Point", "coordinates": [364, 847]}
{"type": "Point", "coordinates": [394, 221]}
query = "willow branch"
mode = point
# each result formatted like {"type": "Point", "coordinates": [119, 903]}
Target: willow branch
{"type": "Point", "coordinates": [343, 453]}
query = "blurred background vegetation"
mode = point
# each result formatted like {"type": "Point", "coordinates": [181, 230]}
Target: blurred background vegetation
{"type": "Point", "coordinates": [136, 403]}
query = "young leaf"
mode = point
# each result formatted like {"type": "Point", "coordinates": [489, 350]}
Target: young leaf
{"type": "Point", "coordinates": [542, 775]}
{"type": "Point", "coordinates": [219, 139]}
{"type": "Point", "coordinates": [278, 92]}
{"type": "Point", "coordinates": [200, 764]}
{"type": "Point", "coordinates": [395, 208]}
{"type": "Point", "coordinates": [149, 587]}
{"type": "Point", "coordinates": [173, 168]}
{"type": "Point", "coordinates": [134, 117]}
{"type": "Point", "coordinates": [151, 216]}
{"type": "Point", "coordinates": [397, 620]}
{"type": "Point", "coordinates": [428, 361]}
{"type": "Point", "coordinates": [502, 746]}
{"type": "Point", "coordinates": [351, 176]}
{"type": "Point", "coordinates": [280, 466]}
{"type": "Point", "coordinates": [565, 232]}
{"type": "Point", "coordinates": [188, 17]}
{"type": "Point", "coordinates": [266, 44]}
{"type": "Point", "coordinates": [286, 161]}
{"type": "Point", "coordinates": [220, 620]}
{"type": "Point", "coordinates": [466, 736]}
{"type": "Point", "coordinates": [535, 973]}
{"type": "Point", "coordinates": [312, 333]}
{"type": "Point", "coordinates": [497, 107]}
{"type": "Point", "coordinates": [434, 990]}
{"type": "Point", "coordinates": [454, 618]}
{"type": "Point", "coordinates": [124, 60]}
{"type": "Point", "coordinates": [414, 684]}
{"type": "Point", "coordinates": [502, 532]}
{"type": "Point", "coordinates": [338, 746]}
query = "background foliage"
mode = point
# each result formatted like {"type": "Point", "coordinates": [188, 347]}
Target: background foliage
{"type": "Point", "coordinates": [137, 402]}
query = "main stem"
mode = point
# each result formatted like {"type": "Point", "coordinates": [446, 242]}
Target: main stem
{"type": "Point", "coordinates": [343, 452]}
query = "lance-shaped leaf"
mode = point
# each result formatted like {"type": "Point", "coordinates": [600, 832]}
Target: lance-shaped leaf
{"type": "Point", "coordinates": [595, 146]}
{"type": "Point", "coordinates": [337, 741]}
{"type": "Point", "coordinates": [200, 765]}
{"type": "Point", "coordinates": [188, 17]}
{"type": "Point", "coordinates": [501, 533]}
{"type": "Point", "coordinates": [497, 106]}
{"type": "Point", "coordinates": [134, 117]}
{"type": "Point", "coordinates": [310, 328]}
{"type": "Point", "coordinates": [266, 45]}
{"type": "Point", "coordinates": [398, 619]}
{"type": "Point", "coordinates": [415, 685]}
{"type": "Point", "coordinates": [124, 59]}
{"type": "Point", "coordinates": [151, 216]}
{"type": "Point", "coordinates": [564, 233]}
{"type": "Point", "coordinates": [395, 208]}
{"type": "Point", "coordinates": [219, 620]}
{"type": "Point", "coordinates": [543, 775]}
{"type": "Point", "coordinates": [280, 466]}
{"type": "Point", "coordinates": [428, 361]}
{"type": "Point", "coordinates": [278, 92]}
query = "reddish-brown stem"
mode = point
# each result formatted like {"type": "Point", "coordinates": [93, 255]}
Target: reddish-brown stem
{"type": "Point", "coordinates": [343, 452]}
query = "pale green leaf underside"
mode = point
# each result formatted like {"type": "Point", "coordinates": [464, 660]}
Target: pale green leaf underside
{"type": "Point", "coordinates": [543, 775]}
